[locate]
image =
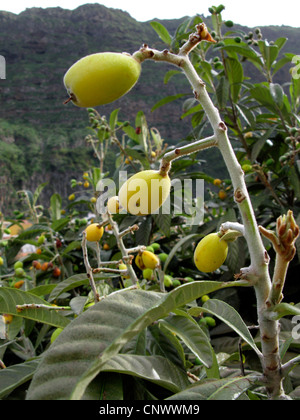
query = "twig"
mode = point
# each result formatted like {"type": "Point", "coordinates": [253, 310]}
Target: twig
{"type": "Point", "coordinates": [125, 255]}
{"type": "Point", "coordinates": [88, 268]}
{"type": "Point", "coordinates": [21, 308]}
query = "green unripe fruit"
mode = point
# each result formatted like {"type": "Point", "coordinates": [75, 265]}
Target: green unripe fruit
{"type": "Point", "coordinates": [1, 261]}
{"type": "Point", "coordinates": [41, 239]}
{"type": "Point", "coordinates": [155, 246]}
{"type": "Point", "coordinates": [189, 279]}
{"type": "Point", "coordinates": [247, 168]}
{"type": "Point", "coordinates": [7, 231]}
{"type": "Point", "coordinates": [124, 267]}
{"type": "Point", "coordinates": [18, 264]}
{"type": "Point", "coordinates": [205, 298]}
{"type": "Point", "coordinates": [163, 257]}
{"type": "Point", "coordinates": [220, 8]}
{"type": "Point", "coordinates": [176, 283]}
{"type": "Point", "coordinates": [211, 322]}
{"type": "Point", "coordinates": [55, 334]}
{"type": "Point", "coordinates": [19, 272]}
{"type": "Point", "coordinates": [101, 78]}
{"type": "Point", "coordinates": [237, 39]}
{"type": "Point", "coordinates": [148, 274]}
{"type": "Point", "coordinates": [150, 249]}
{"type": "Point", "coordinates": [145, 192]}
{"type": "Point", "coordinates": [168, 281]}
{"type": "Point", "coordinates": [270, 162]}
{"type": "Point", "coordinates": [210, 253]}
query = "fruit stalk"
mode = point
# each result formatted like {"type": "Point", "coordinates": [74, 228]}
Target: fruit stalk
{"type": "Point", "coordinates": [258, 271]}
{"type": "Point", "coordinates": [124, 251]}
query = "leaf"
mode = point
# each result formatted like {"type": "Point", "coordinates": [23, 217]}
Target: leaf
{"type": "Point", "coordinates": [229, 316]}
{"type": "Point", "coordinates": [243, 49]}
{"type": "Point", "coordinates": [113, 119]}
{"type": "Point", "coordinates": [269, 52]}
{"type": "Point", "coordinates": [74, 281]}
{"type": "Point", "coordinates": [162, 342]}
{"type": "Point", "coordinates": [57, 225]}
{"type": "Point", "coordinates": [14, 376]}
{"type": "Point", "coordinates": [222, 92]}
{"type": "Point", "coordinates": [163, 221]}
{"type": "Point", "coordinates": [162, 32]}
{"type": "Point", "coordinates": [167, 100]}
{"type": "Point", "coordinates": [284, 309]}
{"type": "Point", "coordinates": [73, 245]}
{"type": "Point", "coordinates": [37, 193]}
{"type": "Point", "coordinates": [55, 207]}
{"type": "Point", "coordinates": [277, 94]}
{"type": "Point", "coordinates": [178, 246]}
{"type": "Point", "coordinates": [235, 76]}
{"type": "Point", "coordinates": [10, 297]}
{"type": "Point", "coordinates": [228, 389]}
{"type": "Point", "coordinates": [91, 340]}
{"type": "Point", "coordinates": [142, 235]}
{"type": "Point", "coordinates": [156, 369]}
{"type": "Point", "coordinates": [192, 335]}
{"type": "Point", "coordinates": [170, 74]}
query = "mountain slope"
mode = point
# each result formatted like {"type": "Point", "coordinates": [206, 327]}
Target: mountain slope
{"type": "Point", "coordinates": [42, 139]}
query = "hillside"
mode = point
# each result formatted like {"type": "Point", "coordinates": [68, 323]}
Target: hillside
{"type": "Point", "coordinates": [42, 139]}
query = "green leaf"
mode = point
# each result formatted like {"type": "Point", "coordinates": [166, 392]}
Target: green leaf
{"type": "Point", "coordinates": [269, 52]}
{"type": "Point", "coordinates": [243, 49]}
{"type": "Point", "coordinates": [277, 94]}
{"type": "Point", "coordinates": [113, 119]}
{"type": "Point", "coordinates": [162, 32]}
{"type": "Point", "coordinates": [229, 316]}
{"type": "Point", "coordinates": [192, 335]}
{"type": "Point", "coordinates": [284, 309]}
{"type": "Point", "coordinates": [73, 245]}
{"type": "Point", "coordinates": [170, 74]}
{"type": "Point", "coordinates": [222, 92]}
{"type": "Point", "coordinates": [235, 76]}
{"type": "Point", "coordinates": [156, 369]}
{"type": "Point", "coordinates": [91, 340]}
{"type": "Point", "coordinates": [57, 225]}
{"type": "Point", "coordinates": [10, 297]}
{"type": "Point", "coordinates": [162, 342]}
{"type": "Point", "coordinates": [177, 247]}
{"type": "Point", "coordinates": [228, 389]}
{"type": "Point", "coordinates": [14, 376]}
{"type": "Point", "coordinates": [167, 100]}
{"type": "Point", "coordinates": [37, 193]}
{"type": "Point", "coordinates": [163, 221]}
{"type": "Point", "coordinates": [72, 282]}
{"type": "Point", "coordinates": [55, 207]}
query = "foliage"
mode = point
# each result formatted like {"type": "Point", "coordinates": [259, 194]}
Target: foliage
{"type": "Point", "coordinates": [156, 345]}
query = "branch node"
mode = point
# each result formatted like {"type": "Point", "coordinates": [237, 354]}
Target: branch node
{"type": "Point", "coordinates": [222, 126]}
{"type": "Point", "coordinates": [239, 195]}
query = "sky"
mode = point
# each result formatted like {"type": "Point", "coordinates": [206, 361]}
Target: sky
{"type": "Point", "coordinates": [250, 13]}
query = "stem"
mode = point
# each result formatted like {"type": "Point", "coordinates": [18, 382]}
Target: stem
{"type": "Point", "coordinates": [124, 251]}
{"type": "Point", "coordinates": [258, 269]}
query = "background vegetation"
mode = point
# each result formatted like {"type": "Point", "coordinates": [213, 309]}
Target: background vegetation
{"type": "Point", "coordinates": [249, 80]}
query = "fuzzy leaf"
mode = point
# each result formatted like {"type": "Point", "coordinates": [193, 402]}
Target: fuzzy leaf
{"type": "Point", "coordinates": [10, 297]}
{"type": "Point", "coordinates": [91, 340]}
{"type": "Point", "coordinates": [228, 389]}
